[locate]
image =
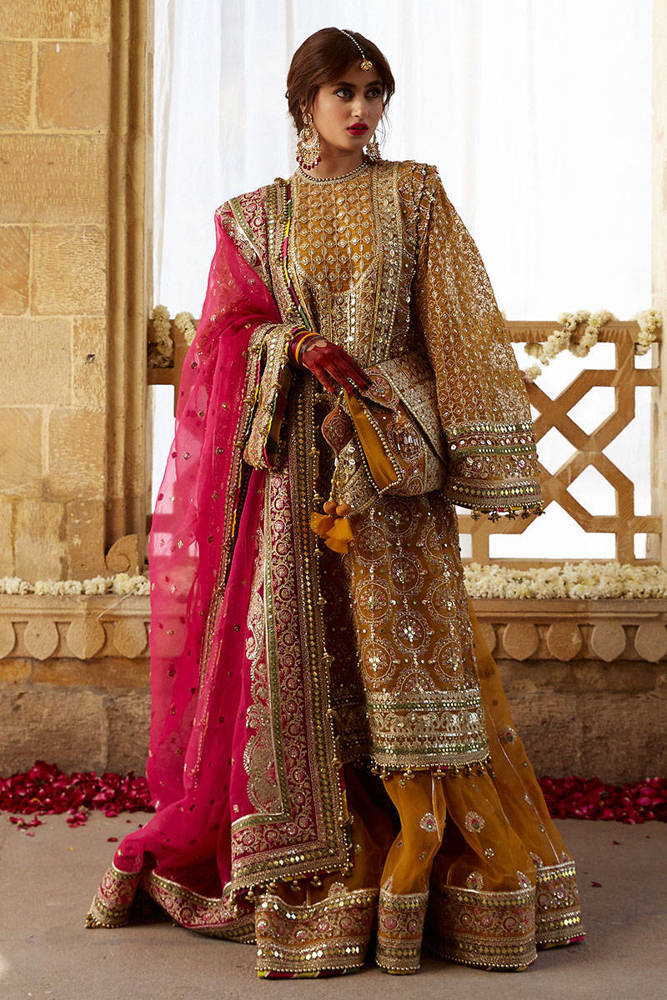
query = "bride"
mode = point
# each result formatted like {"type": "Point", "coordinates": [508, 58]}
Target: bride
{"type": "Point", "coordinates": [334, 768]}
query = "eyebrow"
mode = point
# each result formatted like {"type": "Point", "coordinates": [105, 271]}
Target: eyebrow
{"type": "Point", "coordinates": [344, 83]}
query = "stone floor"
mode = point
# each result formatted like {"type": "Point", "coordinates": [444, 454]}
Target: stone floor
{"type": "Point", "coordinates": [47, 882]}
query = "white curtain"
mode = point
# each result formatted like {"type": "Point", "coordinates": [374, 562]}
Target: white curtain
{"type": "Point", "coordinates": [536, 112]}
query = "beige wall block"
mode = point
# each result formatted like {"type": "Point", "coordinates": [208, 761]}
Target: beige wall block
{"type": "Point", "coordinates": [53, 178]}
{"type": "Point", "coordinates": [89, 362]}
{"type": "Point", "coordinates": [129, 728]}
{"type": "Point", "coordinates": [108, 672]}
{"type": "Point", "coordinates": [54, 18]}
{"type": "Point", "coordinates": [73, 85]}
{"type": "Point", "coordinates": [6, 539]}
{"type": "Point", "coordinates": [67, 728]}
{"type": "Point", "coordinates": [36, 361]}
{"type": "Point", "coordinates": [69, 270]}
{"type": "Point", "coordinates": [76, 459]}
{"type": "Point", "coordinates": [15, 671]}
{"type": "Point", "coordinates": [15, 81]}
{"type": "Point", "coordinates": [14, 269]}
{"type": "Point", "coordinates": [39, 545]}
{"type": "Point", "coordinates": [20, 451]}
{"type": "Point", "coordinates": [85, 539]}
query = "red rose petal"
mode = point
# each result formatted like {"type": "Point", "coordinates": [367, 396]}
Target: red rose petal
{"type": "Point", "coordinates": [44, 790]}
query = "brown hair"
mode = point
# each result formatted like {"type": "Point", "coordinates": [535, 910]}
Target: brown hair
{"type": "Point", "coordinates": [322, 58]}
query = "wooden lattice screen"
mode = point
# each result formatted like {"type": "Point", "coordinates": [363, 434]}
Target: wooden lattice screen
{"type": "Point", "coordinates": [624, 524]}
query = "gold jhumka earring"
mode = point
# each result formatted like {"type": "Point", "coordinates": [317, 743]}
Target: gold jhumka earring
{"type": "Point", "coordinates": [372, 146]}
{"type": "Point", "coordinates": [308, 144]}
{"type": "Point", "coordinates": [373, 149]}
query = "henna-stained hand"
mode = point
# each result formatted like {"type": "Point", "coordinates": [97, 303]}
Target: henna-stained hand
{"type": "Point", "coordinates": [332, 365]}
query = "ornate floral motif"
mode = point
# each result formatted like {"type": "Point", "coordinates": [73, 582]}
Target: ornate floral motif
{"type": "Point", "coordinates": [428, 822]}
{"type": "Point", "coordinates": [523, 880]}
{"type": "Point", "coordinates": [475, 880]}
{"type": "Point", "coordinates": [474, 823]}
{"type": "Point", "coordinates": [400, 927]}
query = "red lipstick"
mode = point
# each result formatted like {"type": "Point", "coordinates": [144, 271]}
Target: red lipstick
{"type": "Point", "coordinates": [357, 129]}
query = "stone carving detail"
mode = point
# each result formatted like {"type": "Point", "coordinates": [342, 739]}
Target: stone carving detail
{"type": "Point", "coordinates": [520, 640]}
{"type": "Point", "coordinates": [85, 637]}
{"type": "Point", "coordinates": [608, 640]}
{"type": "Point", "coordinates": [563, 640]}
{"type": "Point", "coordinates": [41, 638]}
{"type": "Point", "coordinates": [7, 638]}
{"type": "Point", "coordinates": [488, 632]}
{"type": "Point", "coordinates": [651, 641]}
{"type": "Point", "coordinates": [123, 556]}
{"type": "Point", "coordinates": [129, 637]}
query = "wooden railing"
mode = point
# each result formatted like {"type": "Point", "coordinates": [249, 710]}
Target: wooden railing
{"type": "Point", "coordinates": [623, 378]}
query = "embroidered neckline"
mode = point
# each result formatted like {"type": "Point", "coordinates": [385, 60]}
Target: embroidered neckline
{"type": "Point", "coordinates": [300, 172]}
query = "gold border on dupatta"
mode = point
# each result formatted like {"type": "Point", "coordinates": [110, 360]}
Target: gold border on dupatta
{"type": "Point", "coordinates": [326, 845]}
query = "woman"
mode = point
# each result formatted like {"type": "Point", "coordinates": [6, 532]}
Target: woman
{"type": "Point", "coordinates": [332, 760]}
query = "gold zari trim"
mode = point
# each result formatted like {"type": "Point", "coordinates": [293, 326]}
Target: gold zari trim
{"type": "Point", "coordinates": [557, 909]}
{"type": "Point", "coordinates": [495, 930]}
{"type": "Point", "coordinates": [331, 934]}
{"type": "Point", "coordinates": [400, 927]}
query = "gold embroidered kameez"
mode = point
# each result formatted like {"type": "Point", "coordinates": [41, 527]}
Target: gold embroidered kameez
{"type": "Point", "coordinates": [469, 861]}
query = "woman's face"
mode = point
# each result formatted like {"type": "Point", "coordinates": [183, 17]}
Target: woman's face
{"type": "Point", "coordinates": [354, 99]}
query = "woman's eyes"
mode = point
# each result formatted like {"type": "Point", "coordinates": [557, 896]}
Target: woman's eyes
{"type": "Point", "coordinates": [373, 92]}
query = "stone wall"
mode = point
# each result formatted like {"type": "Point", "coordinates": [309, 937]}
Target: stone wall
{"type": "Point", "coordinates": [585, 681]}
{"type": "Point", "coordinates": [64, 416]}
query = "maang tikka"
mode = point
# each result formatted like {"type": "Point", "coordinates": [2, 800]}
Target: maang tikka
{"type": "Point", "coordinates": [308, 140]}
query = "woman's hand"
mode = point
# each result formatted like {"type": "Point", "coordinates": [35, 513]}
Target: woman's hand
{"type": "Point", "coordinates": [332, 365]}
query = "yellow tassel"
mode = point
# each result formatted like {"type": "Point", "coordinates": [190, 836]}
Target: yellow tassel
{"type": "Point", "coordinates": [321, 523]}
{"type": "Point", "coordinates": [339, 535]}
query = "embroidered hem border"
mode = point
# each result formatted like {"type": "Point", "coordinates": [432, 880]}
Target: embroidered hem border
{"type": "Point", "coordinates": [399, 930]}
{"type": "Point", "coordinates": [495, 930]}
{"type": "Point", "coordinates": [113, 900]}
{"type": "Point", "coordinates": [557, 909]}
{"type": "Point", "coordinates": [218, 917]}
{"type": "Point", "coordinates": [331, 934]}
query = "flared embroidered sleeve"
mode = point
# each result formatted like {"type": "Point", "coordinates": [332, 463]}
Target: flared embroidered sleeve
{"type": "Point", "coordinates": [269, 371]}
{"type": "Point", "coordinates": [482, 398]}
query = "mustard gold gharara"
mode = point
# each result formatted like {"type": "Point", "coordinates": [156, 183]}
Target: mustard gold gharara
{"type": "Point", "coordinates": [383, 801]}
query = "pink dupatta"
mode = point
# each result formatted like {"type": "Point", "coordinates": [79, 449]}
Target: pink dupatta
{"type": "Point", "coordinates": [203, 530]}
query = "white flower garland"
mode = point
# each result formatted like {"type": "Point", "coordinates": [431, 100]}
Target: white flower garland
{"type": "Point", "coordinates": [583, 579]}
{"type": "Point", "coordinates": [120, 583]}
{"type": "Point", "coordinates": [160, 340]}
{"type": "Point", "coordinates": [571, 579]}
{"type": "Point", "coordinates": [648, 320]}
{"type": "Point", "coordinates": [184, 323]}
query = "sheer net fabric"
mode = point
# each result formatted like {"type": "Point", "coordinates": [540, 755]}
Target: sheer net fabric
{"type": "Point", "coordinates": [335, 770]}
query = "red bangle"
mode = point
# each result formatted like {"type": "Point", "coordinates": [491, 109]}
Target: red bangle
{"type": "Point", "coordinates": [298, 349]}
{"type": "Point", "coordinates": [296, 331]}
